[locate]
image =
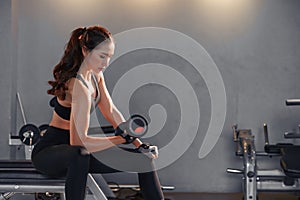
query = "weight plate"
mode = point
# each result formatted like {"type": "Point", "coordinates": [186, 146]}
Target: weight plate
{"type": "Point", "coordinates": [29, 134]}
{"type": "Point", "coordinates": [137, 126]}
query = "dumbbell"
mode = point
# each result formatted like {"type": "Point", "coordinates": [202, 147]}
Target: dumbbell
{"type": "Point", "coordinates": [135, 126]}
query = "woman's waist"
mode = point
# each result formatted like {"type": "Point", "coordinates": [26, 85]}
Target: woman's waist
{"type": "Point", "coordinates": [59, 122]}
{"type": "Point", "coordinates": [56, 130]}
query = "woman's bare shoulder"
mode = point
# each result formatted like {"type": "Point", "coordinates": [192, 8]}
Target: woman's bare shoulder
{"type": "Point", "coordinates": [73, 84]}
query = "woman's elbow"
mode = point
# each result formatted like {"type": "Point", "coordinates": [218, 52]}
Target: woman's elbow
{"type": "Point", "coordinates": [78, 140]}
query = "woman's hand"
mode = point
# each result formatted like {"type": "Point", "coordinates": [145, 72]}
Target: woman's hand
{"type": "Point", "coordinates": [149, 150]}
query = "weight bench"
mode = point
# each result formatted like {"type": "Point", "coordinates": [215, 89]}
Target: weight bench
{"type": "Point", "coordinates": [20, 176]}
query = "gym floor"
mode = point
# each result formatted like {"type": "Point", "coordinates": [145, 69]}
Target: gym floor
{"type": "Point", "coordinates": [194, 196]}
{"type": "Point", "coordinates": [236, 196]}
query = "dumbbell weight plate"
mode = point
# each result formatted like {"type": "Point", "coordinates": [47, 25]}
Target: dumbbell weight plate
{"type": "Point", "coordinates": [29, 134]}
{"type": "Point", "coordinates": [137, 126]}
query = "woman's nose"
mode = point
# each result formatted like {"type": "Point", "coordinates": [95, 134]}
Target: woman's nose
{"type": "Point", "coordinates": [105, 62]}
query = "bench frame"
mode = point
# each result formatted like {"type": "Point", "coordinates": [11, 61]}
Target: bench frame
{"type": "Point", "coordinates": [254, 179]}
{"type": "Point", "coordinates": [21, 177]}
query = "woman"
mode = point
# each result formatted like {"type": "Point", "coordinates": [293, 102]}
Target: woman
{"type": "Point", "coordinates": [79, 86]}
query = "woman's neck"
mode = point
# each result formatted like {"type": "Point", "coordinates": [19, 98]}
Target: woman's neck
{"type": "Point", "coordinates": [84, 71]}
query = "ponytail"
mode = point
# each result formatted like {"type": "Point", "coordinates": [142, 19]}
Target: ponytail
{"type": "Point", "coordinates": [73, 57]}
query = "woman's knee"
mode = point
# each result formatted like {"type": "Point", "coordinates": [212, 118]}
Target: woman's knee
{"type": "Point", "coordinates": [80, 155]}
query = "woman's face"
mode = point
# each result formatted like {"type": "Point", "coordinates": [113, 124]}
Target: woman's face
{"type": "Point", "coordinates": [98, 58]}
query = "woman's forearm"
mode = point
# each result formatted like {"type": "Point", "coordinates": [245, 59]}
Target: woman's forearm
{"type": "Point", "coordinates": [94, 144]}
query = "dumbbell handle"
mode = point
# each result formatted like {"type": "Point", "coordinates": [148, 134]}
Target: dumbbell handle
{"type": "Point", "coordinates": [292, 102]}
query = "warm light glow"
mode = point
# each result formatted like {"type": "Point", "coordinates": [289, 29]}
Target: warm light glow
{"type": "Point", "coordinates": [82, 11]}
{"type": "Point", "coordinates": [79, 7]}
{"type": "Point", "coordinates": [227, 13]}
{"type": "Point", "coordinates": [224, 3]}
{"type": "Point", "coordinates": [228, 9]}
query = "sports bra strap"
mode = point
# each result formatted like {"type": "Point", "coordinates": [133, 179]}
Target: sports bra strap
{"type": "Point", "coordinates": [78, 76]}
{"type": "Point", "coordinates": [94, 79]}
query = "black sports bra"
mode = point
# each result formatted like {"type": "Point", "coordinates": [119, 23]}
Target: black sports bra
{"type": "Point", "coordinates": [65, 112]}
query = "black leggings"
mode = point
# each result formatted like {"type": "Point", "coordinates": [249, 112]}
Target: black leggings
{"type": "Point", "coordinates": [71, 161]}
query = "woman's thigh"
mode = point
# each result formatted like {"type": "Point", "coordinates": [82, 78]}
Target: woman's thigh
{"type": "Point", "coordinates": [118, 159]}
{"type": "Point", "coordinates": [55, 160]}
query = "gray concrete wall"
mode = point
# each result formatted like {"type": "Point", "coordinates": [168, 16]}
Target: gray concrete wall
{"type": "Point", "coordinates": [254, 44]}
{"type": "Point", "coordinates": [6, 73]}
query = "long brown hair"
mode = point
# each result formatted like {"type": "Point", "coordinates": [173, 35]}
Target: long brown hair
{"type": "Point", "coordinates": [72, 58]}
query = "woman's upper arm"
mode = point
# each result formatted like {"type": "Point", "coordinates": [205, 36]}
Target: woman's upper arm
{"type": "Point", "coordinates": [80, 113]}
{"type": "Point", "coordinates": [105, 104]}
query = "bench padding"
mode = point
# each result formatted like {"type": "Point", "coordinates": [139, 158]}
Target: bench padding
{"type": "Point", "coordinates": [290, 161]}
{"type": "Point", "coordinates": [23, 171]}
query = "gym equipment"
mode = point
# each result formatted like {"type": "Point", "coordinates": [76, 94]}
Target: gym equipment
{"type": "Point", "coordinates": [29, 134]}
{"type": "Point", "coordinates": [286, 179]}
{"type": "Point", "coordinates": [292, 102]}
{"type": "Point", "coordinates": [21, 177]}
{"type": "Point", "coordinates": [135, 126]}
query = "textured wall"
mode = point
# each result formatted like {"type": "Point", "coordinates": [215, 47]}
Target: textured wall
{"type": "Point", "coordinates": [254, 46]}
{"type": "Point", "coordinates": [5, 75]}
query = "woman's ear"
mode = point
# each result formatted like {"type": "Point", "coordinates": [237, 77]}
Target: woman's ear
{"type": "Point", "coordinates": [84, 51]}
